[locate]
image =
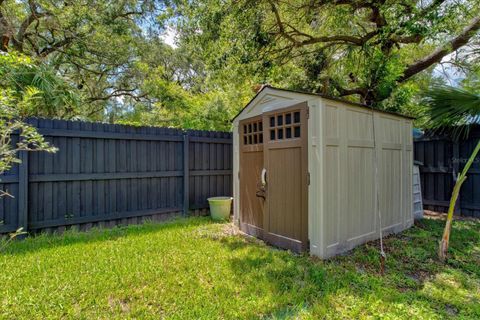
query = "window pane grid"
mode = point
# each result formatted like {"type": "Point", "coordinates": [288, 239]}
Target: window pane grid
{"type": "Point", "coordinates": [285, 125]}
{"type": "Point", "coordinates": [253, 133]}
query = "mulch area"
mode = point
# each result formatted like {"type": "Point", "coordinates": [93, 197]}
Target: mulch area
{"type": "Point", "coordinates": [443, 216]}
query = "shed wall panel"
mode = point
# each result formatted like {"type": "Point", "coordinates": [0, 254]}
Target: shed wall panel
{"type": "Point", "coordinates": [358, 193]}
{"type": "Point", "coordinates": [350, 207]}
{"type": "Point", "coordinates": [332, 189]}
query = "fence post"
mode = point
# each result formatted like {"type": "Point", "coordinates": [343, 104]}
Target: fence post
{"type": "Point", "coordinates": [456, 157]}
{"type": "Point", "coordinates": [186, 174]}
{"type": "Point", "coordinates": [23, 191]}
{"type": "Point", "coordinates": [456, 171]}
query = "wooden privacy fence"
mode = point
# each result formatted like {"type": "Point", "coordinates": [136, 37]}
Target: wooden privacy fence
{"type": "Point", "coordinates": [441, 160]}
{"type": "Point", "coordinates": [106, 174]}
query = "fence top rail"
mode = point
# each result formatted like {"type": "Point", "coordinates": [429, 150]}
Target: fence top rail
{"type": "Point", "coordinates": [208, 133]}
{"type": "Point", "coordinates": [448, 135]}
{"type": "Point", "coordinates": [127, 136]}
{"type": "Point", "coordinates": [50, 125]}
{"type": "Point", "coordinates": [107, 135]}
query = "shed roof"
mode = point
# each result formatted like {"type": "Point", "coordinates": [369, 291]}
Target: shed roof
{"type": "Point", "coordinates": [322, 96]}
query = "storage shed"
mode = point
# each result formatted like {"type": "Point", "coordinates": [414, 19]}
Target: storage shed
{"type": "Point", "coordinates": [304, 171]}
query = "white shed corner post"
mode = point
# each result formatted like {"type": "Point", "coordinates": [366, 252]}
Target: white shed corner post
{"type": "Point", "coordinates": [236, 175]}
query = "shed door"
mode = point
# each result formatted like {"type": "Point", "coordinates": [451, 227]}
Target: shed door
{"type": "Point", "coordinates": [252, 196]}
{"type": "Point", "coordinates": [275, 144]}
{"type": "Point", "coordinates": [285, 159]}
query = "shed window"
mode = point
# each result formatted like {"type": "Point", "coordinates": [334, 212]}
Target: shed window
{"type": "Point", "coordinates": [296, 117]}
{"type": "Point", "coordinates": [288, 118]}
{"type": "Point", "coordinates": [288, 133]}
{"type": "Point", "coordinates": [285, 125]}
{"type": "Point", "coordinates": [253, 133]}
{"type": "Point", "coordinates": [272, 134]}
{"type": "Point", "coordinates": [280, 120]}
{"type": "Point", "coordinates": [280, 134]}
{"type": "Point", "coordinates": [297, 132]}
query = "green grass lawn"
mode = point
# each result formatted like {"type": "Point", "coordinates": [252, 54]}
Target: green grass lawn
{"type": "Point", "coordinates": [196, 269]}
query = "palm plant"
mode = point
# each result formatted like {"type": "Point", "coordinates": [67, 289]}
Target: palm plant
{"type": "Point", "coordinates": [457, 108]}
{"type": "Point", "coordinates": [50, 94]}
{"type": "Point", "coordinates": [21, 95]}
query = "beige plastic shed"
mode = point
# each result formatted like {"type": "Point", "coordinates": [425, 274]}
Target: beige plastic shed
{"type": "Point", "coordinates": [304, 172]}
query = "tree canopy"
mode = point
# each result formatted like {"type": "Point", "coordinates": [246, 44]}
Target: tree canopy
{"type": "Point", "coordinates": [342, 48]}
{"type": "Point", "coordinates": [112, 54]}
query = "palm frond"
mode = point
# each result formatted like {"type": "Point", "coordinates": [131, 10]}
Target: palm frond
{"type": "Point", "coordinates": [452, 108]}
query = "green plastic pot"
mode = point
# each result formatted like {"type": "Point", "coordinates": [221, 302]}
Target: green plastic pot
{"type": "Point", "coordinates": [220, 207]}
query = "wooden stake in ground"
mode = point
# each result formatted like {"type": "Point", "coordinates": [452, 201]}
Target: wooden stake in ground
{"type": "Point", "coordinates": [443, 248]}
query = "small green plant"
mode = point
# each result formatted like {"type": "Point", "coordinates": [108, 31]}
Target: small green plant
{"type": "Point", "coordinates": [11, 236]}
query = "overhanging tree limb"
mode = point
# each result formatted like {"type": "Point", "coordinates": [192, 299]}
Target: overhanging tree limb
{"type": "Point", "coordinates": [55, 46]}
{"type": "Point", "coordinates": [290, 36]}
{"type": "Point", "coordinates": [436, 56]}
{"type": "Point", "coordinates": [34, 15]}
{"type": "Point", "coordinates": [120, 93]}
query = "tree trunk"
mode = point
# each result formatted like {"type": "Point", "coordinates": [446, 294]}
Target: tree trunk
{"type": "Point", "coordinates": [4, 44]}
{"type": "Point", "coordinates": [443, 247]}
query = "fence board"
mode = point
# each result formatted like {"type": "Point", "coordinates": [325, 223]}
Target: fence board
{"type": "Point", "coordinates": [108, 174]}
{"type": "Point", "coordinates": [442, 158]}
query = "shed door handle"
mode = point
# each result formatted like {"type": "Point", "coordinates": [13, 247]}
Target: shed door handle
{"type": "Point", "coordinates": [263, 177]}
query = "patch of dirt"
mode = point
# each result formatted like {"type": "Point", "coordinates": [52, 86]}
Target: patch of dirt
{"type": "Point", "coordinates": [361, 269]}
{"type": "Point", "coordinates": [443, 216]}
{"type": "Point", "coordinates": [230, 229]}
{"type": "Point", "coordinates": [386, 248]}
{"type": "Point", "coordinates": [225, 231]}
{"type": "Point", "coordinates": [122, 303]}
{"type": "Point", "coordinates": [419, 276]}
{"type": "Point", "coordinates": [404, 289]}
{"type": "Point", "coordinates": [451, 310]}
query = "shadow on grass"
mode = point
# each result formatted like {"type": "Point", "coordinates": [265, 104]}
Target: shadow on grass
{"type": "Point", "coordinates": [301, 284]}
{"type": "Point", "coordinates": [45, 241]}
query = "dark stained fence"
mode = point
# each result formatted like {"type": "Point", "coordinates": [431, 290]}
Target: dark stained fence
{"type": "Point", "coordinates": [107, 174]}
{"type": "Point", "coordinates": [442, 159]}
{"type": "Point", "coordinates": [210, 164]}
